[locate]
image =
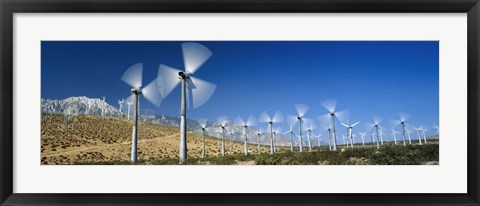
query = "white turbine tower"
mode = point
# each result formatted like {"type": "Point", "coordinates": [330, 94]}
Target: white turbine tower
{"type": "Point", "coordinates": [231, 140]}
{"type": "Point", "coordinates": [246, 124]}
{"type": "Point", "coordinates": [330, 106]}
{"type": "Point", "coordinates": [264, 117]}
{"type": "Point", "coordinates": [319, 138]}
{"type": "Point", "coordinates": [349, 131]}
{"type": "Point", "coordinates": [363, 134]}
{"type": "Point", "coordinates": [129, 104]}
{"type": "Point", "coordinates": [424, 136]}
{"type": "Point", "coordinates": [203, 125]}
{"type": "Point", "coordinates": [325, 128]}
{"type": "Point", "coordinates": [223, 123]}
{"type": "Point", "coordinates": [194, 92]}
{"type": "Point", "coordinates": [120, 104]}
{"type": "Point", "coordinates": [394, 132]}
{"type": "Point", "coordinates": [309, 126]}
{"type": "Point", "coordinates": [376, 122]}
{"type": "Point", "coordinates": [418, 129]}
{"type": "Point", "coordinates": [403, 118]}
{"type": "Point", "coordinates": [259, 135]}
{"type": "Point", "coordinates": [291, 137]}
{"type": "Point", "coordinates": [301, 110]}
{"type": "Point", "coordinates": [438, 129]}
{"type": "Point", "coordinates": [409, 138]}
{"type": "Point", "coordinates": [133, 77]}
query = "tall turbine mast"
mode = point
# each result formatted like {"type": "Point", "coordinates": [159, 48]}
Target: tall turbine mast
{"type": "Point", "coordinates": [330, 105]}
{"type": "Point", "coordinates": [301, 110]}
{"type": "Point", "coordinates": [264, 117]}
{"type": "Point", "coordinates": [198, 91]}
{"type": "Point", "coordinates": [133, 77]}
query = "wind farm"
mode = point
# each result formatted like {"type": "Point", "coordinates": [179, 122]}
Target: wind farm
{"type": "Point", "coordinates": [278, 117]}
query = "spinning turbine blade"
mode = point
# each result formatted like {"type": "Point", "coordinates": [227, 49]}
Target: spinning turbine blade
{"type": "Point", "coordinates": [240, 121]}
{"type": "Point", "coordinates": [301, 109]}
{"type": "Point", "coordinates": [342, 115]}
{"type": "Point", "coordinates": [202, 122]}
{"type": "Point", "coordinates": [194, 55]}
{"type": "Point", "coordinates": [251, 121]}
{"type": "Point", "coordinates": [353, 125]}
{"type": "Point", "coordinates": [324, 119]}
{"type": "Point", "coordinates": [167, 79]}
{"type": "Point", "coordinates": [201, 91]}
{"type": "Point", "coordinates": [404, 117]}
{"type": "Point", "coordinates": [292, 119]}
{"type": "Point", "coordinates": [330, 105]}
{"type": "Point", "coordinates": [377, 120]}
{"type": "Point", "coordinates": [278, 117]}
{"type": "Point", "coordinates": [150, 92]}
{"type": "Point", "coordinates": [264, 117]}
{"type": "Point", "coordinates": [395, 122]}
{"type": "Point", "coordinates": [133, 75]}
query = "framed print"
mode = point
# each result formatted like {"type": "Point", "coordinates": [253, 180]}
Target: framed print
{"type": "Point", "coordinates": [264, 102]}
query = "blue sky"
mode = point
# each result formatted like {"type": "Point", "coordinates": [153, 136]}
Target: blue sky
{"type": "Point", "coordinates": [370, 78]}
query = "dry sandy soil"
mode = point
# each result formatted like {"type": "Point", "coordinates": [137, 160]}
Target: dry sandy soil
{"type": "Point", "coordinates": [98, 139]}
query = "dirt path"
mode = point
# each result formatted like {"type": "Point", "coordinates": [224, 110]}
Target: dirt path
{"type": "Point", "coordinates": [105, 146]}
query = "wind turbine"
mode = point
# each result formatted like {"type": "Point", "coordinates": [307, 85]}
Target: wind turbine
{"type": "Point", "coordinates": [330, 106]}
{"type": "Point", "coordinates": [403, 118]}
{"type": "Point", "coordinates": [219, 132]}
{"type": "Point", "coordinates": [264, 117]}
{"type": "Point", "coordinates": [223, 123]}
{"type": "Point", "coordinates": [349, 130]}
{"type": "Point", "coordinates": [325, 128]}
{"type": "Point", "coordinates": [394, 132]}
{"type": "Point", "coordinates": [301, 110]}
{"type": "Point", "coordinates": [129, 104]}
{"type": "Point", "coordinates": [120, 103]}
{"type": "Point", "coordinates": [133, 77]}
{"type": "Point", "coordinates": [438, 129]}
{"type": "Point", "coordinates": [319, 137]}
{"type": "Point", "coordinates": [309, 126]}
{"type": "Point", "coordinates": [363, 134]}
{"type": "Point", "coordinates": [409, 139]}
{"type": "Point", "coordinates": [418, 129]}
{"type": "Point", "coordinates": [250, 122]}
{"type": "Point", "coordinates": [203, 125]}
{"type": "Point", "coordinates": [259, 134]}
{"type": "Point", "coordinates": [376, 122]}
{"type": "Point", "coordinates": [423, 131]}
{"type": "Point", "coordinates": [199, 91]}
{"type": "Point", "coordinates": [291, 136]}
{"type": "Point", "coordinates": [231, 140]}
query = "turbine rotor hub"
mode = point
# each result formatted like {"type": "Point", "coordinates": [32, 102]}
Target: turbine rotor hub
{"type": "Point", "coordinates": [183, 75]}
{"type": "Point", "coordinates": [136, 91]}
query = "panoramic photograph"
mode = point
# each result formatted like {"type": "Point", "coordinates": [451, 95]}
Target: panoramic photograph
{"type": "Point", "coordinates": [239, 103]}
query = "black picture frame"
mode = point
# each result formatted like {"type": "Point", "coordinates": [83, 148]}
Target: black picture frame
{"type": "Point", "coordinates": [9, 7]}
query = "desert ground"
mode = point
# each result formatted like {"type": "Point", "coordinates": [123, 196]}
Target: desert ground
{"type": "Point", "coordinates": [102, 139]}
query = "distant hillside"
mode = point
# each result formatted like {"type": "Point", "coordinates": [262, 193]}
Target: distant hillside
{"type": "Point", "coordinates": [95, 106]}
